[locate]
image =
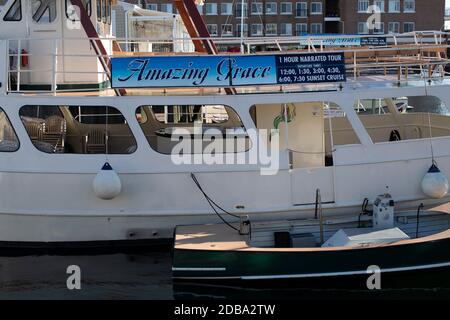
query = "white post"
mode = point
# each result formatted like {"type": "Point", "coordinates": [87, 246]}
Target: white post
{"type": "Point", "coordinates": [4, 66]}
{"type": "Point", "coordinates": [18, 65]}
{"type": "Point", "coordinates": [242, 26]}
{"type": "Point", "coordinates": [55, 66]}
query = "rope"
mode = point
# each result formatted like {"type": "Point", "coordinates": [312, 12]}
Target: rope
{"type": "Point", "coordinates": [213, 204]}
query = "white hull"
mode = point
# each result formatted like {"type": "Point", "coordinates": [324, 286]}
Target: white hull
{"type": "Point", "coordinates": [51, 230]}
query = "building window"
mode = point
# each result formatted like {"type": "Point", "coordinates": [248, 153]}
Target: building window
{"type": "Point", "coordinates": [226, 9]}
{"type": "Point", "coordinates": [301, 10]}
{"type": "Point", "coordinates": [379, 4]}
{"type": "Point", "coordinates": [316, 28]}
{"type": "Point", "coordinates": [316, 7]}
{"type": "Point", "coordinates": [238, 30]}
{"type": "Point", "coordinates": [378, 28]}
{"type": "Point", "coordinates": [152, 6]}
{"type": "Point", "coordinates": [394, 6]}
{"type": "Point", "coordinates": [409, 27]}
{"type": "Point", "coordinates": [43, 11]}
{"type": "Point", "coordinates": [200, 9]}
{"type": "Point", "coordinates": [212, 29]}
{"type": "Point", "coordinates": [363, 28]}
{"type": "Point", "coordinates": [211, 9]}
{"type": "Point", "coordinates": [15, 12]}
{"type": "Point", "coordinates": [271, 8]}
{"type": "Point", "coordinates": [78, 129]}
{"type": "Point", "coordinates": [410, 6]}
{"type": "Point", "coordinates": [286, 8]}
{"type": "Point", "coordinates": [167, 7]}
{"type": "Point", "coordinates": [257, 8]}
{"type": "Point", "coordinates": [257, 29]}
{"type": "Point", "coordinates": [286, 29]}
{"type": "Point", "coordinates": [8, 138]}
{"type": "Point", "coordinates": [301, 28]}
{"type": "Point", "coordinates": [239, 9]}
{"type": "Point", "coordinates": [271, 29]}
{"type": "Point", "coordinates": [227, 30]}
{"type": "Point", "coordinates": [363, 6]}
{"type": "Point", "coordinates": [394, 27]}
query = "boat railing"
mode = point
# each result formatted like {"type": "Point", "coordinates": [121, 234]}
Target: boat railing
{"type": "Point", "coordinates": [403, 58]}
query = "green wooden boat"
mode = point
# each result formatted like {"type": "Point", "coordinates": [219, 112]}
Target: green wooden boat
{"type": "Point", "coordinates": [212, 252]}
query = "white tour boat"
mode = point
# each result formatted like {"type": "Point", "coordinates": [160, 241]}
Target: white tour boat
{"type": "Point", "coordinates": [88, 131]}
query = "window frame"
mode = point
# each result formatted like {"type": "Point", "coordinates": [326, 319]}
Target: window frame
{"type": "Point", "coordinates": [316, 13]}
{"type": "Point", "coordinates": [281, 29]}
{"type": "Point", "coordinates": [366, 4]}
{"type": "Point", "coordinates": [13, 130]}
{"type": "Point", "coordinates": [409, 23]}
{"type": "Point", "coordinates": [382, 8]}
{"type": "Point", "coordinates": [297, 29]}
{"type": "Point", "coordinates": [88, 9]}
{"type": "Point", "coordinates": [5, 17]}
{"type": "Point", "coordinates": [289, 4]}
{"type": "Point", "coordinates": [226, 107]}
{"type": "Point", "coordinates": [37, 21]}
{"type": "Point", "coordinates": [255, 25]}
{"type": "Point", "coordinates": [276, 29]}
{"type": "Point", "coordinates": [127, 123]}
{"type": "Point", "coordinates": [301, 4]}
{"type": "Point", "coordinates": [316, 24]}
{"type": "Point", "coordinates": [396, 3]}
{"type": "Point", "coordinates": [210, 5]}
{"type": "Point", "coordinates": [257, 4]}
{"type": "Point", "coordinates": [271, 3]}
{"type": "Point", "coordinates": [413, 10]}
{"type": "Point", "coordinates": [222, 29]}
{"type": "Point", "coordinates": [228, 5]}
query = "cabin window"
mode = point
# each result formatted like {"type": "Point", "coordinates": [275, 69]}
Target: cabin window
{"type": "Point", "coordinates": [15, 12]}
{"type": "Point", "coordinates": [70, 15]}
{"type": "Point", "coordinates": [8, 138]}
{"type": "Point", "coordinates": [314, 129]}
{"type": "Point", "coordinates": [404, 118]}
{"type": "Point", "coordinates": [165, 126]}
{"type": "Point", "coordinates": [43, 11]}
{"type": "Point", "coordinates": [78, 129]}
{"type": "Point", "coordinates": [99, 10]}
{"type": "Point", "coordinates": [104, 10]}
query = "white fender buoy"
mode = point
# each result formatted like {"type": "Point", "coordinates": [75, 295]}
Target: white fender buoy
{"type": "Point", "coordinates": [107, 184]}
{"type": "Point", "coordinates": [435, 183]}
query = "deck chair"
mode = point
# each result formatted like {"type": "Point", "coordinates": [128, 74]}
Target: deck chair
{"type": "Point", "coordinates": [34, 130]}
{"type": "Point", "coordinates": [95, 141]}
{"type": "Point", "coordinates": [55, 132]}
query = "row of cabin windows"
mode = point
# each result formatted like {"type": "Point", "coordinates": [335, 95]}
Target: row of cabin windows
{"type": "Point", "coordinates": [100, 130]}
{"type": "Point", "coordinates": [45, 11]}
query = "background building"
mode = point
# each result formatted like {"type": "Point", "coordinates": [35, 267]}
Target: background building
{"type": "Point", "coordinates": [296, 17]}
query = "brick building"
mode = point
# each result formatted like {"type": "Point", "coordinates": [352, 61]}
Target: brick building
{"type": "Point", "coordinates": [295, 17]}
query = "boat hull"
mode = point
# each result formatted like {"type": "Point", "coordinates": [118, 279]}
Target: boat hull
{"type": "Point", "coordinates": [90, 229]}
{"type": "Point", "coordinates": [314, 264]}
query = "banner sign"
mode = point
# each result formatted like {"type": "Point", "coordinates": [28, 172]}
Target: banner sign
{"type": "Point", "coordinates": [224, 71]}
{"type": "Point", "coordinates": [345, 41]}
{"type": "Point", "coordinates": [374, 41]}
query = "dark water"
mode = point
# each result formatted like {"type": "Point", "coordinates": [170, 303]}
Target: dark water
{"type": "Point", "coordinates": [148, 276]}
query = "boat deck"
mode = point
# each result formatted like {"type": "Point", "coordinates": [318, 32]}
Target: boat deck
{"type": "Point", "coordinates": [434, 225]}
